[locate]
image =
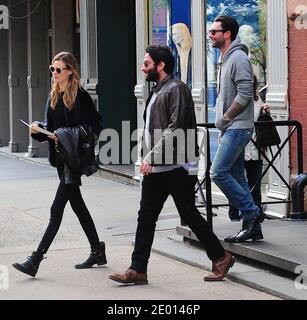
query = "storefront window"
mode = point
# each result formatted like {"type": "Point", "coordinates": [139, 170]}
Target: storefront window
{"type": "Point", "coordinates": [171, 25]}
{"type": "Point", "coordinates": [251, 16]}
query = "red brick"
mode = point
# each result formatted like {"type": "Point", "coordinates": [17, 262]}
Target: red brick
{"type": "Point", "coordinates": [298, 87]}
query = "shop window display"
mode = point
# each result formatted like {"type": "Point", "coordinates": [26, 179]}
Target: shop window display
{"type": "Point", "coordinates": [171, 26]}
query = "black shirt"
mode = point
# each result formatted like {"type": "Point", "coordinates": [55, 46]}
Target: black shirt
{"type": "Point", "coordinates": [83, 113]}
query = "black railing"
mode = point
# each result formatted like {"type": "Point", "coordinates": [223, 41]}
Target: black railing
{"type": "Point", "coordinates": [297, 193]}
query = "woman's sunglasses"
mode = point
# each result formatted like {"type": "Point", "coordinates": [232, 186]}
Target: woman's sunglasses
{"type": "Point", "coordinates": [58, 70]}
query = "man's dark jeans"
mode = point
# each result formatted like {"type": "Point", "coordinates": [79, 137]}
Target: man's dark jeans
{"type": "Point", "coordinates": [253, 173]}
{"type": "Point", "coordinates": [156, 189]}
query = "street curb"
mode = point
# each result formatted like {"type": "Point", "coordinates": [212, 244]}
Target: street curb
{"type": "Point", "coordinates": [246, 274]}
{"type": "Point", "coordinates": [117, 176]}
{"type": "Point", "coordinates": [21, 156]}
{"type": "Point", "coordinates": [104, 173]}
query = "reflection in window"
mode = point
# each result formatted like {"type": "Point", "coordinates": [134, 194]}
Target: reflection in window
{"type": "Point", "coordinates": [171, 26]}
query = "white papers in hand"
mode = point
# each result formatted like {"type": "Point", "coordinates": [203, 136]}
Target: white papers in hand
{"type": "Point", "coordinates": [38, 129]}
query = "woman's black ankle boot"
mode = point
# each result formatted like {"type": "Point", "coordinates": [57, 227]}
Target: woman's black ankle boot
{"type": "Point", "coordinates": [96, 257]}
{"type": "Point", "coordinates": [31, 265]}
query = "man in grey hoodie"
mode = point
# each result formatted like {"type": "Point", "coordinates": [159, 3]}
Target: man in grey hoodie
{"type": "Point", "coordinates": [235, 120]}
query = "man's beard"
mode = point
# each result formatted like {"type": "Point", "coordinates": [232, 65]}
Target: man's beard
{"type": "Point", "coordinates": [218, 44]}
{"type": "Point", "coordinates": [152, 75]}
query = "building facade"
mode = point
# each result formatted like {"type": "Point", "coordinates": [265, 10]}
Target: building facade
{"type": "Point", "coordinates": [264, 24]}
{"type": "Point", "coordinates": [297, 48]}
{"type": "Point", "coordinates": [36, 31]}
{"type": "Point", "coordinates": [109, 39]}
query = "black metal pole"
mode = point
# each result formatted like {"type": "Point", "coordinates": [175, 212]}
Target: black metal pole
{"type": "Point", "coordinates": [208, 184]}
{"type": "Point", "coordinates": [297, 195]}
{"type": "Point", "coordinates": [300, 157]}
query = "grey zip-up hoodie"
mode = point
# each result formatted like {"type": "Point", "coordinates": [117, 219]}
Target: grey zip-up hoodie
{"type": "Point", "coordinates": [235, 83]}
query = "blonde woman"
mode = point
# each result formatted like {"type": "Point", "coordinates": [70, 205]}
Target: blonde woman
{"type": "Point", "coordinates": [69, 109]}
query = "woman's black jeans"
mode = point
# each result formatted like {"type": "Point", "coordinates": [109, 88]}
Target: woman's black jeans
{"type": "Point", "coordinates": [71, 193]}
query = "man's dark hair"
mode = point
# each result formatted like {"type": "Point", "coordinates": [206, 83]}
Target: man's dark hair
{"type": "Point", "coordinates": [229, 24]}
{"type": "Point", "coordinates": [164, 54]}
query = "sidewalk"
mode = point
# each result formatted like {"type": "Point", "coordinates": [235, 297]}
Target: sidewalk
{"type": "Point", "coordinates": [58, 280]}
{"type": "Point", "coordinates": [64, 282]}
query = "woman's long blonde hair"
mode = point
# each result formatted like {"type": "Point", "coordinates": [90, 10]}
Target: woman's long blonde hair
{"type": "Point", "coordinates": [74, 84]}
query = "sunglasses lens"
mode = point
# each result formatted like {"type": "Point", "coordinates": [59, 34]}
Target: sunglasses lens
{"type": "Point", "coordinates": [53, 69]}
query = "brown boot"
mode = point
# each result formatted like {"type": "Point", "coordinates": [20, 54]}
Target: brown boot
{"type": "Point", "coordinates": [220, 268]}
{"type": "Point", "coordinates": [130, 276]}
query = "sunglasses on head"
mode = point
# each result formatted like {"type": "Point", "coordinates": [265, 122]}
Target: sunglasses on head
{"type": "Point", "coordinates": [58, 70]}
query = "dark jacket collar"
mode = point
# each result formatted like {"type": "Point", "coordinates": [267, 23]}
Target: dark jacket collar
{"type": "Point", "coordinates": [160, 84]}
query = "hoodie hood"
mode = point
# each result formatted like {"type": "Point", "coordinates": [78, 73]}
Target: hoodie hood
{"type": "Point", "coordinates": [235, 45]}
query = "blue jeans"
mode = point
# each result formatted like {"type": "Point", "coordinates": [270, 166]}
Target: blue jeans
{"type": "Point", "coordinates": [227, 172]}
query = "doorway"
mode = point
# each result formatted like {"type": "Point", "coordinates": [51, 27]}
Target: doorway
{"type": "Point", "coordinates": [116, 41]}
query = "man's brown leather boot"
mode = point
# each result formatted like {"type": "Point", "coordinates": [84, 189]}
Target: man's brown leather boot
{"type": "Point", "coordinates": [130, 277]}
{"type": "Point", "coordinates": [221, 267]}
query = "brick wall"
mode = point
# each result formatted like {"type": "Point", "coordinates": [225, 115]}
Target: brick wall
{"type": "Point", "coordinates": [297, 18]}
